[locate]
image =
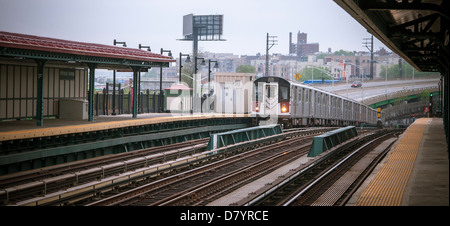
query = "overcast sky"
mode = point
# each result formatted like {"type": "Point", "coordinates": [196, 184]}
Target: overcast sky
{"type": "Point", "coordinates": [159, 23]}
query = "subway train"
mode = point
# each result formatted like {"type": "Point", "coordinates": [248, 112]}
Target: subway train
{"type": "Point", "coordinates": [276, 100]}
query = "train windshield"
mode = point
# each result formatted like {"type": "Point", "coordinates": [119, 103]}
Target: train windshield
{"type": "Point", "coordinates": [284, 90]}
{"type": "Point", "coordinates": [271, 91]}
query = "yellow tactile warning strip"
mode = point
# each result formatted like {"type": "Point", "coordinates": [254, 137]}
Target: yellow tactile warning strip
{"type": "Point", "coordinates": [388, 186]}
{"type": "Point", "coordinates": [60, 130]}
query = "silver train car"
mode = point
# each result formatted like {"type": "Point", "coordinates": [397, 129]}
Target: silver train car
{"type": "Point", "coordinates": [291, 104]}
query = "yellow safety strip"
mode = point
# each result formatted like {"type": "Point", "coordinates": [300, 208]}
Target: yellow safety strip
{"type": "Point", "coordinates": [388, 186]}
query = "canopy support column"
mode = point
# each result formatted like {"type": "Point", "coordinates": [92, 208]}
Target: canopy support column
{"type": "Point", "coordinates": [40, 93]}
{"type": "Point", "coordinates": [135, 90]}
{"type": "Point", "coordinates": [91, 91]}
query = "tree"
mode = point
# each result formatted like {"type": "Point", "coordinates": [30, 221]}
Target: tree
{"type": "Point", "coordinates": [424, 95]}
{"type": "Point", "coordinates": [392, 72]}
{"type": "Point", "coordinates": [186, 74]}
{"type": "Point", "coordinates": [246, 69]}
{"type": "Point", "coordinates": [343, 53]}
{"type": "Point", "coordinates": [307, 74]}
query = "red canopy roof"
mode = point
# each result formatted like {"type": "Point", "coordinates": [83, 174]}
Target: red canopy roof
{"type": "Point", "coordinates": [22, 41]}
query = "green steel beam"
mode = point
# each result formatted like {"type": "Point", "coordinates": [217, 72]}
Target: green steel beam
{"type": "Point", "coordinates": [386, 102]}
{"type": "Point", "coordinates": [330, 139]}
{"type": "Point", "coordinates": [91, 91]}
{"type": "Point", "coordinates": [237, 136]}
{"type": "Point", "coordinates": [40, 93]}
{"type": "Point", "coordinates": [135, 90]}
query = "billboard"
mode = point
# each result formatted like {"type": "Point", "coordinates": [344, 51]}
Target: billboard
{"type": "Point", "coordinates": [187, 25]}
{"type": "Point", "coordinates": [208, 27]}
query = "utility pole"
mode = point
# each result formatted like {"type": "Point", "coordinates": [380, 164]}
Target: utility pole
{"type": "Point", "coordinates": [270, 42]}
{"type": "Point", "coordinates": [368, 43]}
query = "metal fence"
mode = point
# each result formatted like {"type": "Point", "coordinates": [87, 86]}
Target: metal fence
{"type": "Point", "coordinates": [148, 102]}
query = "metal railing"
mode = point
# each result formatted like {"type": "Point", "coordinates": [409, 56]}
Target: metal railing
{"type": "Point", "coordinates": [400, 93]}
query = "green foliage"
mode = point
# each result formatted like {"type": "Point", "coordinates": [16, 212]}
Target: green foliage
{"type": "Point", "coordinates": [424, 95]}
{"type": "Point", "coordinates": [307, 74]}
{"type": "Point", "coordinates": [321, 55]}
{"type": "Point", "coordinates": [407, 72]}
{"type": "Point", "coordinates": [186, 74]}
{"type": "Point", "coordinates": [246, 69]}
{"type": "Point", "coordinates": [344, 53]}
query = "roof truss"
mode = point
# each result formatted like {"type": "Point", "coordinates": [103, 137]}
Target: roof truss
{"type": "Point", "coordinates": [417, 30]}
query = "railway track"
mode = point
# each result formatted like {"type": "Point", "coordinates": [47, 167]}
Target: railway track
{"type": "Point", "coordinates": [197, 186]}
{"type": "Point", "coordinates": [332, 179]}
{"type": "Point", "coordinates": [90, 180]}
{"type": "Point", "coordinates": [18, 187]}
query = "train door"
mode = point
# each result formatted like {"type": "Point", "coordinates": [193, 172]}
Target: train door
{"type": "Point", "coordinates": [294, 92]}
{"type": "Point", "coordinates": [270, 98]}
{"type": "Point", "coordinates": [300, 102]}
{"type": "Point", "coordinates": [310, 104]}
{"type": "Point", "coordinates": [223, 101]}
{"type": "Point", "coordinates": [303, 103]}
{"type": "Point", "coordinates": [318, 104]}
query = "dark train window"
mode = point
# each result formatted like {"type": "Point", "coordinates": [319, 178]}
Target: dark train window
{"type": "Point", "coordinates": [284, 91]}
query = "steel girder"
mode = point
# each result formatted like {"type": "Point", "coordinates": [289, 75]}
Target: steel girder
{"type": "Point", "coordinates": [416, 30]}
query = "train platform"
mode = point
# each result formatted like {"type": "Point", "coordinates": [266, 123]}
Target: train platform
{"type": "Point", "coordinates": [414, 173]}
{"type": "Point", "coordinates": [24, 129]}
{"type": "Point", "coordinates": [19, 125]}
{"type": "Point", "coordinates": [23, 146]}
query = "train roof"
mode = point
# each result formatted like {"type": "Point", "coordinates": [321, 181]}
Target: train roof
{"type": "Point", "coordinates": [324, 91]}
{"type": "Point", "coordinates": [277, 79]}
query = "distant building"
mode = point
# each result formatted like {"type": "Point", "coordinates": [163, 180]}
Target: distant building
{"type": "Point", "coordinates": [302, 48]}
{"type": "Point", "coordinates": [226, 61]}
{"type": "Point", "coordinates": [358, 65]}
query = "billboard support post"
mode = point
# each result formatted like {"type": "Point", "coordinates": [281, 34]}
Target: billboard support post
{"type": "Point", "coordinates": [201, 28]}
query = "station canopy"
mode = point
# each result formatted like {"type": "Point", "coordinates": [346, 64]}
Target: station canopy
{"type": "Point", "coordinates": [77, 54]}
{"type": "Point", "coordinates": [417, 30]}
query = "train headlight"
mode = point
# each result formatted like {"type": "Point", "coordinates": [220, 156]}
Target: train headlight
{"type": "Point", "coordinates": [283, 108]}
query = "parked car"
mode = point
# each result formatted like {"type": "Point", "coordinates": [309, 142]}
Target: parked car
{"type": "Point", "coordinates": [356, 84]}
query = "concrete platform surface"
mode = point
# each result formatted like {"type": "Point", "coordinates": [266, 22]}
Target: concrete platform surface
{"type": "Point", "coordinates": [427, 183]}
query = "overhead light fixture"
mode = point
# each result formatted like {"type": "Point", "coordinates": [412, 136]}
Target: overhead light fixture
{"type": "Point", "coordinates": [188, 59]}
{"type": "Point", "coordinates": [124, 44]}
{"type": "Point", "coordinates": [148, 47]}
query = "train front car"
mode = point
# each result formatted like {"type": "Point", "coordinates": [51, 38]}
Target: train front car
{"type": "Point", "coordinates": [271, 100]}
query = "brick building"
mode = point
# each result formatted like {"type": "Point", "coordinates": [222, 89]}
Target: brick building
{"type": "Point", "coordinates": [302, 48]}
